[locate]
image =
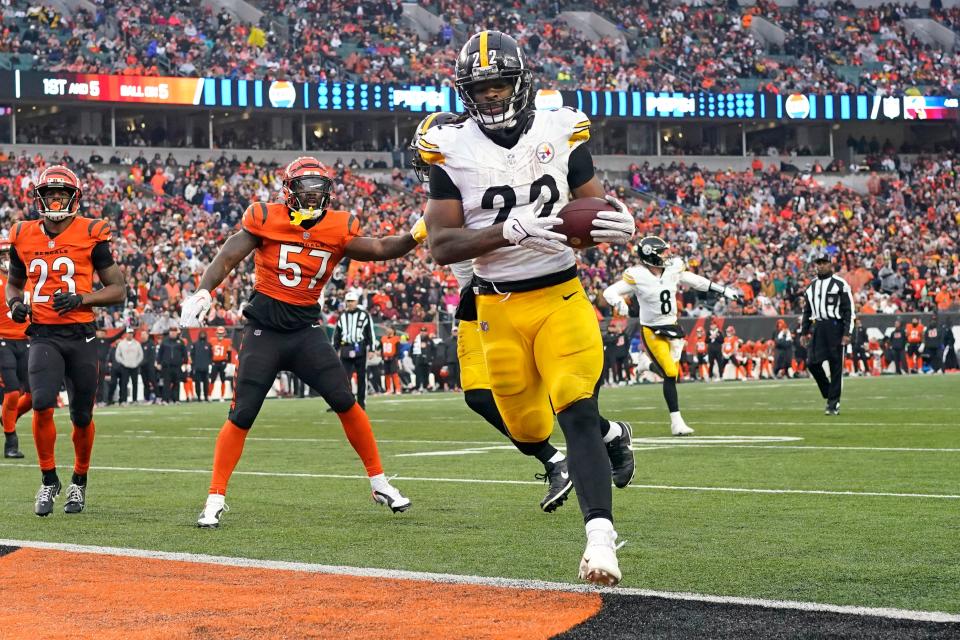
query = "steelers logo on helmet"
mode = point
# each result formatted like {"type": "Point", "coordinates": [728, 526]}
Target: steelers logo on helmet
{"type": "Point", "coordinates": [653, 250]}
{"type": "Point", "coordinates": [57, 194]}
{"type": "Point", "coordinates": [439, 118]}
{"type": "Point", "coordinates": [307, 189]}
{"type": "Point", "coordinates": [492, 80]}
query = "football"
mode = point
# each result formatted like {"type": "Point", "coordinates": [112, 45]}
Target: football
{"type": "Point", "coordinates": [578, 216]}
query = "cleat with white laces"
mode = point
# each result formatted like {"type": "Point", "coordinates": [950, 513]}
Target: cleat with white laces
{"type": "Point", "coordinates": [599, 563]}
{"type": "Point", "coordinates": [386, 494]}
{"type": "Point", "coordinates": [76, 498]}
{"type": "Point", "coordinates": [210, 516]}
{"type": "Point", "coordinates": [46, 496]}
{"type": "Point", "coordinates": [558, 476]}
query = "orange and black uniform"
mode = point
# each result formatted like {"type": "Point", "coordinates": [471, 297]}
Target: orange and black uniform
{"type": "Point", "coordinates": [61, 345]}
{"type": "Point", "coordinates": [222, 349]}
{"type": "Point", "coordinates": [283, 332]}
{"type": "Point", "coordinates": [14, 347]}
{"type": "Point", "coordinates": [915, 333]}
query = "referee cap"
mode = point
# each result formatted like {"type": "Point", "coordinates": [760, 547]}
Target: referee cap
{"type": "Point", "coordinates": [820, 255]}
{"type": "Point", "coordinates": [351, 297]}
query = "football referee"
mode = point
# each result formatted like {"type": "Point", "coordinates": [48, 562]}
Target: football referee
{"type": "Point", "coordinates": [352, 338]}
{"type": "Point", "coordinates": [827, 317]}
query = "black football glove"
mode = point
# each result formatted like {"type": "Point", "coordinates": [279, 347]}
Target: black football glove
{"type": "Point", "coordinates": [66, 302]}
{"type": "Point", "coordinates": [19, 310]}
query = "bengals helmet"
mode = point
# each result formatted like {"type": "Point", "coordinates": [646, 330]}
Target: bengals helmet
{"type": "Point", "coordinates": [221, 332]}
{"type": "Point", "coordinates": [307, 188]}
{"type": "Point", "coordinates": [493, 56]}
{"type": "Point", "coordinates": [653, 250]}
{"type": "Point", "coordinates": [57, 194]}
{"type": "Point", "coordinates": [420, 167]}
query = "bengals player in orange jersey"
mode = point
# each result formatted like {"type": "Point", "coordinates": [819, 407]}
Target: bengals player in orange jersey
{"type": "Point", "coordinates": [222, 348]}
{"type": "Point", "coordinates": [13, 366]}
{"type": "Point", "coordinates": [296, 244]}
{"type": "Point", "coordinates": [55, 258]}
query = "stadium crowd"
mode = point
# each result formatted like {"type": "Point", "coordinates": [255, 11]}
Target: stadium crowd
{"type": "Point", "coordinates": [897, 243]}
{"type": "Point", "coordinates": [701, 45]}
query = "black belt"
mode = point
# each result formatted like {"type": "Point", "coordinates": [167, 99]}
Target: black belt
{"type": "Point", "coordinates": [483, 287]}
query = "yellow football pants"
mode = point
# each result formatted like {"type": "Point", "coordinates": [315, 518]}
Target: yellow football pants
{"type": "Point", "coordinates": [659, 350]}
{"type": "Point", "coordinates": [542, 348]}
{"type": "Point", "coordinates": [473, 368]}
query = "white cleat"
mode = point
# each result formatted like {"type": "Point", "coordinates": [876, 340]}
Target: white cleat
{"type": "Point", "coordinates": [599, 564]}
{"type": "Point", "coordinates": [386, 494]}
{"type": "Point", "coordinates": [210, 516]}
{"type": "Point", "coordinates": [680, 428]}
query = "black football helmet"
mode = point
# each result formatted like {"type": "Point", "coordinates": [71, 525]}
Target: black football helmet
{"type": "Point", "coordinates": [653, 250]}
{"type": "Point", "coordinates": [493, 56]}
{"type": "Point", "coordinates": [420, 167]}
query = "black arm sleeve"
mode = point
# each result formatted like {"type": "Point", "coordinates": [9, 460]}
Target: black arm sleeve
{"type": "Point", "coordinates": [441, 186]}
{"type": "Point", "coordinates": [579, 167]}
{"type": "Point", "coordinates": [102, 256]}
{"type": "Point", "coordinates": [17, 268]}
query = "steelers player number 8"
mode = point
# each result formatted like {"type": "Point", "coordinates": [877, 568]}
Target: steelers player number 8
{"type": "Point", "coordinates": [509, 197]}
{"type": "Point", "coordinates": [62, 264]}
{"type": "Point", "coordinates": [294, 275]}
{"type": "Point", "coordinates": [665, 301]}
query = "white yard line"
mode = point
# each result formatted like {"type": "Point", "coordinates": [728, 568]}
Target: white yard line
{"type": "Point", "coordinates": [402, 478]}
{"type": "Point", "coordinates": [508, 583]}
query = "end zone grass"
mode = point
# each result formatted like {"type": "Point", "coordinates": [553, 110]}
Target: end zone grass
{"type": "Point", "coordinates": [475, 512]}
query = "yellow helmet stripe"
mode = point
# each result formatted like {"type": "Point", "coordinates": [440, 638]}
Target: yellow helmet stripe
{"type": "Point", "coordinates": [427, 122]}
{"type": "Point", "coordinates": [483, 48]}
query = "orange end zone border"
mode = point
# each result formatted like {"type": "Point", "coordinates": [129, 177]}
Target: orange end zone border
{"type": "Point", "coordinates": [57, 594]}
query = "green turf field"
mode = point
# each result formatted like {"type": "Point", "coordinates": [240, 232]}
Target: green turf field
{"type": "Point", "coordinates": [894, 436]}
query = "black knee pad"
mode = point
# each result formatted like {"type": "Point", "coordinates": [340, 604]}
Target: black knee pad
{"type": "Point", "coordinates": [242, 416]}
{"type": "Point", "coordinates": [43, 399]}
{"type": "Point", "coordinates": [341, 400]}
{"type": "Point", "coordinates": [81, 418]}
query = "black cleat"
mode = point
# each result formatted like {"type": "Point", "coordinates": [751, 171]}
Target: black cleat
{"type": "Point", "coordinates": [11, 448]}
{"type": "Point", "coordinates": [76, 498]}
{"type": "Point", "coordinates": [833, 408]}
{"type": "Point", "coordinates": [45, 498]}
{"type": "Point", "coordinates": [558, 476]}
{"type": "Point", "coordinates": [621, 456]}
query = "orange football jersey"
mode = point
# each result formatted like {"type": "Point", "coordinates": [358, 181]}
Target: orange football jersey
{"type": "Point", "coordinates": [292, 262]}
{"type": "Point", "coordinates": [221, 347]}
{"type": "Point", "coordinates": [731, 344]}
{"type": "Point", "coordinates": [10, 330]}
{"type": "Point", "coordinates": [63, 263]}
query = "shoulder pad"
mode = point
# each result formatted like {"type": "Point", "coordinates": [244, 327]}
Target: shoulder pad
{"type": "Point", "coordinates": [676, 264]}
{"type": "Point", "coordinates": [99, 230]}
{"type": "Point", "coordinates": [635, 275]}
{"type": "Point", "coordinates": [255, 218]}
{"type": "Point", "coordinates": [432, 145]}
{"type": "Point", "coordinates": [573, 123]}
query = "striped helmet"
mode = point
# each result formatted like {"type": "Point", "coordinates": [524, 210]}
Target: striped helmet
{"type": "Point", "coordinates": [49, 197]}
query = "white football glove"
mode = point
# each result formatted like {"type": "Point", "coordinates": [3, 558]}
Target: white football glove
{"type": "Point", "coordinates": [534, 233]}
{"type": "Point", "coordinates": [733, 293]}
{"type": "Point", "coordinates": [615, 227]}
{"type": "Point", "coordinates": [195, 308]}
{"type": "Point", "coordinates": [622, 308]}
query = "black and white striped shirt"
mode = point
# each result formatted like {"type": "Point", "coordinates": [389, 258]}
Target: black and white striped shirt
{"type": "Point", "coordinates": [828, 299]}
{"type": "Point", "coordinates": [354, 327]}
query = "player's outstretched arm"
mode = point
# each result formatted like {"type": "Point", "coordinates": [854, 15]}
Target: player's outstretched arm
{"type": "Point", "coordinates": [234, 250]}
{"type": "Point", "coordinates": [702, 284]}
{"type": "Point", "coordinates": [375, 249]}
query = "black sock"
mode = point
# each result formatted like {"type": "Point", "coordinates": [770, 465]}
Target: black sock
{"type": "Point", "coordinates": [670, 394]}
{"type": "Point", "coordinates": [587, 458]}
{"type": "Point", "coordinates": [604, 427]}
{"type": "Point", "coordinates": [50, 477]}
{"type": "Point", "coordinates": [10, 436]}
{"type": "Point", "coordinates": [79, 479]}
{"type": "Point", "coordinates": [542, 450]}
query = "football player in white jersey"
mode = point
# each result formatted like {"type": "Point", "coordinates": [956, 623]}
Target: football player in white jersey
{"type": "Point", "coordinates": [496, 180]}
{"type": "Point", "coordinates": [474, 378]}
{"type": "Point", "coordinates": [654, 284]}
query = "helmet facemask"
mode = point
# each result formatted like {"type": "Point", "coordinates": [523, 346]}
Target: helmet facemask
{"type": "Point", "coordinates": [56, 202]}
{"type": "Point", "coordinates": [500, 113]}
{"type": "Point", "coordinates": [308, 196]}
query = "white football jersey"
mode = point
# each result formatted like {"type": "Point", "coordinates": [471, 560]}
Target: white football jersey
{"type": "Point", "coordinates": [657, 295]}
{"type": "Point", "coordinates": [495, 183]}
{"type": "Point", "coordinates": [463, 272]}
